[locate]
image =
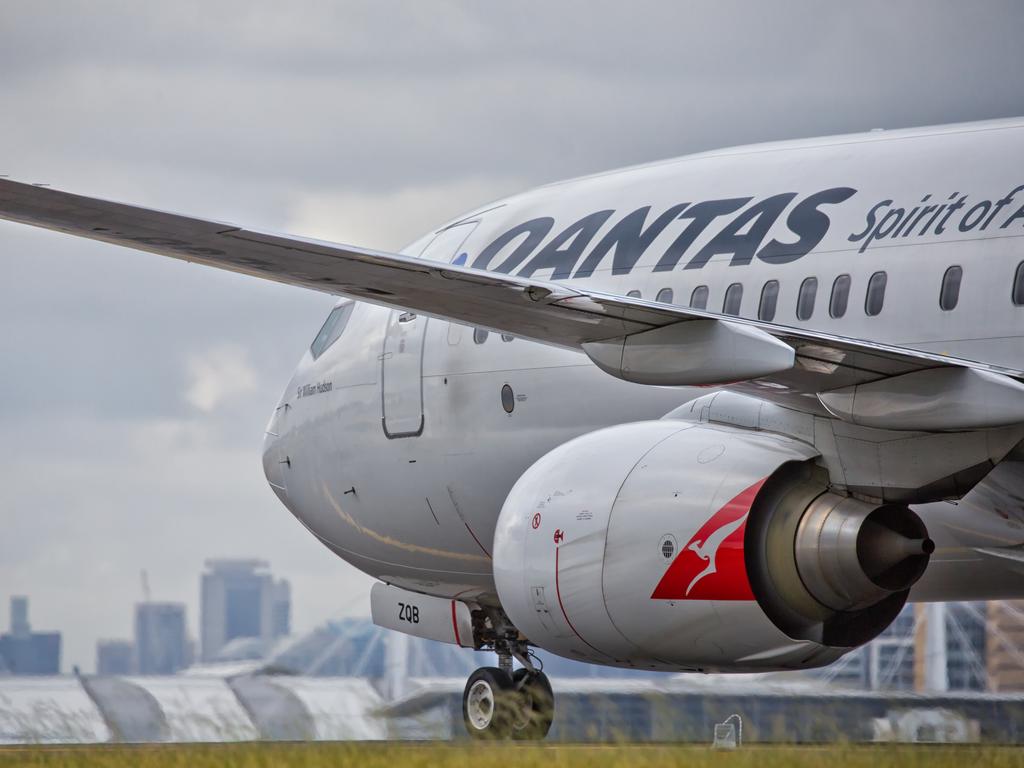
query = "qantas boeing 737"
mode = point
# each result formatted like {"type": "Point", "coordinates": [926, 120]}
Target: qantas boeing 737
{"type": "Point", "coordinates": [728, 412]}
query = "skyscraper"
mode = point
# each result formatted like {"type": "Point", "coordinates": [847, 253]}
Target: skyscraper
{"type": "Point", "coordinates": [24, 652]}
{"type": "Point", "coordinates": [161, 644]}
{"type": "Point", "coordinates": [115, 657]}
{"type": "Point", "coordinates": [241, 599]}
{"type": "Point", "coordinates": [19, 616]}
{"type": "Point", "coordinates": [281, 610]}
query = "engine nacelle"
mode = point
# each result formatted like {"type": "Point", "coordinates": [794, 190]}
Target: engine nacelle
{"type": "Point", "coordinates": [678, 545]}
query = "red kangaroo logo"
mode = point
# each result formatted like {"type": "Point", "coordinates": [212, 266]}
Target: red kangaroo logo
{"type": "Point", "coordinates": [710, 566]}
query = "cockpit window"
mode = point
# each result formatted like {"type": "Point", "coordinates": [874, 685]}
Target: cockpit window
{"type": "Point", "coordinates": [334, 326]}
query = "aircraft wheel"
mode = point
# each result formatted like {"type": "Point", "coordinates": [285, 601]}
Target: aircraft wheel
{"type": "Point", "coordinates": [536, 705]}
{"type": "Point", "coordinates": [489, 706]}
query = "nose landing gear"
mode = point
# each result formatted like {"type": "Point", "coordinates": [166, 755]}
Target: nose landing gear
{"type": "Point", "coordinates": [499, 705]}
{"type": "Point", "coordinates": [536, 704]}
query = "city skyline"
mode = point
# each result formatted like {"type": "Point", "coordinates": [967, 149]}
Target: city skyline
{"type": "Point", "coordinates": [277, 625]}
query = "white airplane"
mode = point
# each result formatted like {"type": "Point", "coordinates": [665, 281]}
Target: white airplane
{"type": "Point", "coordinates": [728, 412]}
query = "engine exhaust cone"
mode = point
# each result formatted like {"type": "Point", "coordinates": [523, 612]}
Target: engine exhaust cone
{"type": "Point", "coordinates": [891, 548]}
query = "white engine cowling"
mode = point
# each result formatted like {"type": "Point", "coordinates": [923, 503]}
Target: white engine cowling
{"type": "Point", "coordinates": [686, 546]}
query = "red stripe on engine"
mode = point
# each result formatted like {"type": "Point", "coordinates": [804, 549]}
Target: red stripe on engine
{"type": "Point", "coordinates": [558, 594]}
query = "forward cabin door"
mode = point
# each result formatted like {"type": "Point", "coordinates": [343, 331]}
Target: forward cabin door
{"type": "Point", "coordinates": [402, 360]}
{"type": "Point", "coordinates": [402, 374]}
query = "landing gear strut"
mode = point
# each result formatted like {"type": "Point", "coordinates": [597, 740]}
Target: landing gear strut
{"type": "Point", "coordinates": [500, 704]}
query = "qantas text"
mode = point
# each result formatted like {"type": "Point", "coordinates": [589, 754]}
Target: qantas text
{"type": "Point", "coordinates": [740, 227]}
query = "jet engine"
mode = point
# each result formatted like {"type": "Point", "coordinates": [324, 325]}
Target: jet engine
{"type": "Point", "coordinates": [678, 545]}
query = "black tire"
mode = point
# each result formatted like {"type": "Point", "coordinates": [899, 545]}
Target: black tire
{"type": "Point", "coordinates": [489, 706]}
{"type": "Point", "coordinates": [536, 704]}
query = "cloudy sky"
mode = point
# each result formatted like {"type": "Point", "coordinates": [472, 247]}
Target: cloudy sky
{"type": "Point", "coordinates": [134, 390]}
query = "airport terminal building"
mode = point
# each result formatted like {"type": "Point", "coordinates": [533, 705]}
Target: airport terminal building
{"type": "Point", "coordinates": [682, 708]}
{"type": "Point", "coordinates": [351, 680]}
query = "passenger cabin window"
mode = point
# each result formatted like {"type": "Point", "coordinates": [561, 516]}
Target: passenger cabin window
{"type": "Point", "coordinates": [733, 299]}
{"type": "Point", "coordinates": [875, 296]}
{"type": "Point", "coordinates": [805, 299]}
{"type": "Point", "coordinates": [332, 329]}
{"type": "Point", "coordinates": [479, 335]}
{"type": "Point", "coordinates": [1018, 285]}
{"type": "Point", "coordinates": [840, 296]}
{"type": "Point", "coordinates": [699, 297]}
{"type": "Point", "coordinates": [634, 294]}
{"type": "Point", "coordinates": [506, 337]}
{"type": "Point", "coordinates": [769, 300]}
{"type": "Point", "coordinates": [665, 296]}
{"type": "Point", "coordinates": [949, 294]}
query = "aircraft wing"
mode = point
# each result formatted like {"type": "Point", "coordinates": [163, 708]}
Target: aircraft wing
{"type": "Point", "coordinates": [648, 342]}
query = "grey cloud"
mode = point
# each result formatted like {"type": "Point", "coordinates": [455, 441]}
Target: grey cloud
{"type": "Point", "coordinates": [342, 96]}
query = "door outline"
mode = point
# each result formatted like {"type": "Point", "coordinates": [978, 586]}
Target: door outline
{"type": "Point", "coordinates": [395, 320]}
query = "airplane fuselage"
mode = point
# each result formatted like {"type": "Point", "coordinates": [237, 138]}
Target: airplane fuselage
{"type": "Point", "coordinates": [398, 444]}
